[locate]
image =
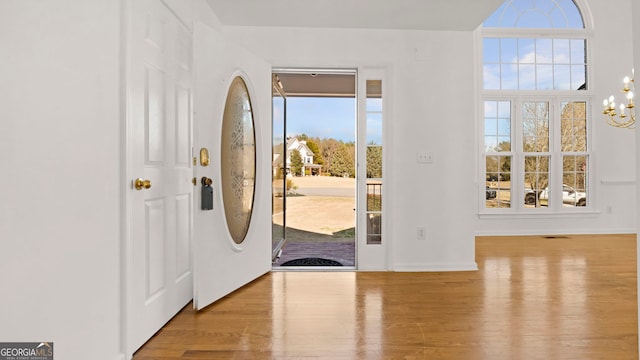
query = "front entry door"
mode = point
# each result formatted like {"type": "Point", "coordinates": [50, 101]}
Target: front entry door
{"type": "Point", "coordinates": [160, 195]}
{"type": "Point", "coordinates": [279, 145]}
{"type": "Point", "coordinates": [222, 265]}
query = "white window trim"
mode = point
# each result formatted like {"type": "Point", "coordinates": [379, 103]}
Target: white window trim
{"type": "Point", "coordinates": [555, 100]}
{"type": "Point", "coordinates": [517, 171]}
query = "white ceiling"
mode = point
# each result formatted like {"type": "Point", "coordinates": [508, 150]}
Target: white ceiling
{"type": "Point", "coordinates": [363, 14]}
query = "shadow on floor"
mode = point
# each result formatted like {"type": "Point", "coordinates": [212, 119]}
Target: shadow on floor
{"type": "Point", "coordinates": [340, 246]}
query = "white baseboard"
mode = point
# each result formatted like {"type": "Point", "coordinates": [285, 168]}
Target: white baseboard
{"type": "Point", "coordinates": [120, 357]}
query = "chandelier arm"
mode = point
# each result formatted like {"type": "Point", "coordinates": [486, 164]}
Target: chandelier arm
{"type": "Point", "coordinates": [622, 120]}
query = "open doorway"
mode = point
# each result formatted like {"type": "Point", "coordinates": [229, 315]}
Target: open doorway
{"type": "Point", "coordinates": [314, 168]}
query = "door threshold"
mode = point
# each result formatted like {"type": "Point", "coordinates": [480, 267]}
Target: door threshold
{"type": "Point", "coordinates": [313, 268]}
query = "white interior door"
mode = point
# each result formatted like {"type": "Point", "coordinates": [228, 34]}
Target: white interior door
{"type": "Point", "coordinates": [159, 150]}
{"type": "Point", "coordinates": [220, 265]}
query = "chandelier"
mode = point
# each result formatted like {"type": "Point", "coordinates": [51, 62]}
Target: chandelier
{"type": "Point", "coordinates": [623, 119]}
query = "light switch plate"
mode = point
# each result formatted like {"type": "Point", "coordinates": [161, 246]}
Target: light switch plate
{"type": "Point", "coordinates": [425, 157]}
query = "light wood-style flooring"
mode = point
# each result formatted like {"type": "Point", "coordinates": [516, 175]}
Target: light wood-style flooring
{"type": "Point", "coordinates": [533, 298]}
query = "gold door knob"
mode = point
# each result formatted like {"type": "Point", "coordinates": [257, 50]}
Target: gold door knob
{"type": "Point", "coordinates": [206, 181]}
{"type": "Point", "coordinates": [140, 183]}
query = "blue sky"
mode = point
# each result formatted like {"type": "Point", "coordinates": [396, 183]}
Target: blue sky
{"type": "Point", "coordinates": [319, 117]}
{"type": "Point", "coordinates": [534, 63]}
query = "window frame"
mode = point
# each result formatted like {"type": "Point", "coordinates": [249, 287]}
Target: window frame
{"type": "Point", "coordinates": [373, 238]}
{"type": "Point", "coordinates": [555, 98]}
{"type": "Point", "coordinates": [580, 7]}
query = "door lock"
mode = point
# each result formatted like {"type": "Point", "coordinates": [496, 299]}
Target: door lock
{"type": "Point", "coordinates": [206, 194]}
{"type": "Point", "coordinates": [204, 157]}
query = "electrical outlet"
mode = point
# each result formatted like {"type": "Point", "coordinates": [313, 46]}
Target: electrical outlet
{"type": "Point", "coordinates": [420, 233]}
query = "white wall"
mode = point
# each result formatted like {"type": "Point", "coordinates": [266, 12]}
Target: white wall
{"type": "Point", "coordinates": [434, 109]}
{"type": "Point", "coordinates": [431, 78]}
{"type": "Point", "coordinates": [59, 186]}
{"type": "Point", "coordinates": [636, 60]}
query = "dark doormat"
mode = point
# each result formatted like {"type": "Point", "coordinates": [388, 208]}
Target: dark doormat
{"type": "Point", "coordinates": [311, 262]}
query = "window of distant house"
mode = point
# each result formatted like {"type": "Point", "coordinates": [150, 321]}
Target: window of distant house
{"type": "Point", "coordinates": [535, 116]}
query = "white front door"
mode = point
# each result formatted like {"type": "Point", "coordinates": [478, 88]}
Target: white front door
{"type": "Point", "coordinates": [220, 264]}
{"type": "Point", "coordinates": [159, 145]}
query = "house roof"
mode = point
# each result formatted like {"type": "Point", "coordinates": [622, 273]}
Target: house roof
{"type": "Point", "coordinates": [300, 146]}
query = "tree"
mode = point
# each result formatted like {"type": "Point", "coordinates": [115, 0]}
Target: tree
{"type": "Point", "coordinates": [535, 142]}
{"type": "Point", "coordinates": [317, 154]}
{"type": "Point", "coordinates": [351, 149]}
{"type": "Point", "coordinates": [342, 162]}
{"type": "Point", "coordinates": [328, 149]}
{"type": "Point", "coordinates": [573, 132]}
{"type": "Point", "coordinates": [296, 163]}
{"type": "Point", "coordinates": [374, 162]}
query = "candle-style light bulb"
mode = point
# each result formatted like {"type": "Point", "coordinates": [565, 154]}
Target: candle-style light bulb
{"type": "Point", "coordinates": [605, 102]}
{"type": "Point", "coordinates": [622, 110]}
{"type": "Point", "coordinates": [630, 95]}
{"type": "Point", "coordinates": [626, 84]}
{"type": "Point", "coordinates": [611, 98]}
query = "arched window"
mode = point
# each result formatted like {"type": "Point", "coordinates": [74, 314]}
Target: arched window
{"type": "Point", "coordinates": [534, 139]}
{"type": "Point", "coordinates": [558, 14]}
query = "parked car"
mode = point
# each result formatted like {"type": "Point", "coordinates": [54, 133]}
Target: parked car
{"type": "Point", "coordinates": [569, 196]}
{"type": "Point", "coordinates": [491, 193]}
{"type": "Point", "coordinates": [529, 196]}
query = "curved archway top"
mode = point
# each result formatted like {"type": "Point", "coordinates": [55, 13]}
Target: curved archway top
{"type": "Point", "coordinates": [541, 14]}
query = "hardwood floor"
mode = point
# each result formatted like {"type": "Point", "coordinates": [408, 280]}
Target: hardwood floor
{"type": "Point", "coordinates": [533, 298]}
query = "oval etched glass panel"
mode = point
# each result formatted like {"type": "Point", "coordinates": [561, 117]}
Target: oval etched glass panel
{"type": "Point", "coordinates": [238, 160]}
